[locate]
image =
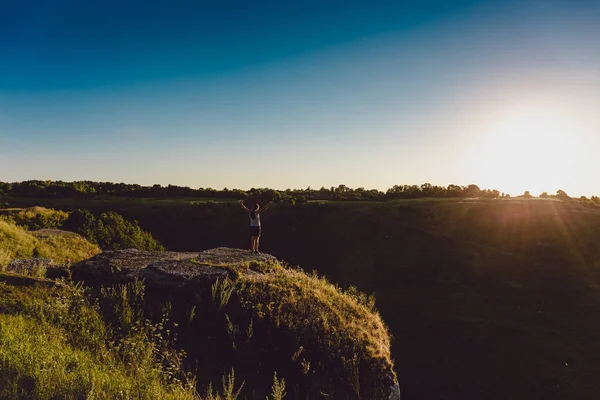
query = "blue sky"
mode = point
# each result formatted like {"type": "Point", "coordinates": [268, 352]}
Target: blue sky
{"type": "Point", "coordinates": [307, 93]}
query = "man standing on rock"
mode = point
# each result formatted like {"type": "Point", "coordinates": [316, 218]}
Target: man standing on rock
{"type": "Point", "coordinates": [255, 227]}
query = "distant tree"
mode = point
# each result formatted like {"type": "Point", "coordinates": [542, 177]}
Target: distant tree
{"type": "Point", "coordinates": [394, 192]}
{"type": "Point", "coordinates": [527, 194]}
{"type": "Point", "coordinates": [490, 194]}
{"type": "Point", "coordinates": [561, 194]}
{"type": "Point", "coordinates": [158, 191]}
{"type": "Point", "coordinates": [427, 189]}
{"type": "Point", "coordinates": [301, 200]}
{"type": "Point", "coordinates": [341, 192]}
{"type": "Point", "coordinates": [5, 187]}
{"type": "Point", "coordinates": [342, 189]}
{"type": "Point", "coordinates": [544, 195]}
{"type": "Point", "coordinates": [412, 191]}
{"type": "Point", "coordinates": [472, 191]}
{"type": "Point", "coordinates": [454, 190]}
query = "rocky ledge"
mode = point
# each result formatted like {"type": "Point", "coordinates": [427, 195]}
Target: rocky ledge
{"type": "Point", "coordinates": [165, 268]}
{"type": "Point", "coordinates": [265, 318]}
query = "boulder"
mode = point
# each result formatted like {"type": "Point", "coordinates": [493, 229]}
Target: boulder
{"type": "Point", "coordinates": [42, 267]}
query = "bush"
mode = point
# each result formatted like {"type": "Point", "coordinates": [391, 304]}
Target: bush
{"type": "Point", "coordinates": [35, 218]}
{"type": "Point", "coordinates": [110, 231]}
{"type": "Point", "coordinates": [116, 233]}
{"type": "Point", "coordinates": [82, 222]}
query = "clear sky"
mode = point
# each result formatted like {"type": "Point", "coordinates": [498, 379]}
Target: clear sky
{"type": "Point", "coordinates": [290, 94]}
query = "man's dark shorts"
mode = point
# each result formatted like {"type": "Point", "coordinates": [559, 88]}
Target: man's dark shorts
{"type": "Point", "coordinates": [255, 231]}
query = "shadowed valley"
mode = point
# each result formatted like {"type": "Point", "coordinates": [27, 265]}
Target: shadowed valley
{"type": "Point", "coordinates": [484, 298]}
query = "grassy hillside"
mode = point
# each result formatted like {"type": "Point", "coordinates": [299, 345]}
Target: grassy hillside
{"type": "Point", "coordinates": [34, 218]}
{"type": "Point", "coordinates": [108, 231]}
{"type": "Point", "coordinates": [317, 337]}
{"type": "Point", "coordinates": [16, 242]}
{"type": "Point", "coordinates": [485, 299]}
{"type": "Point", "coordinates": [55, 344]}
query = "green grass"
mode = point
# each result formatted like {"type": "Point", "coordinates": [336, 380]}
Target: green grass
{"type": "Point", "coordinates": [54, 343]}
{"type": "Point", "coordinates": [61, 246]}
{"type": "Point", "coordinates": [343, 321]}
{"type": "Point", "coordinates": [16, 242]}
{"type": "Point", "coordinates": [106, 203]}
{"type": "Point", "coordinates": [38, 362]}
{"type": "Point", "coordinates": [34, 217]}
{"type": "Point", "coordinates": [338, 342]}
{"type": "Point", "coordinates": [57, 342]}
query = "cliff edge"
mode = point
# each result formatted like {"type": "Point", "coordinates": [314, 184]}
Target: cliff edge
{"type": "Point", "coordinates": [252, 313]}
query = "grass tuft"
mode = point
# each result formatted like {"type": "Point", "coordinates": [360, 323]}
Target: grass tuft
{"type": "Point", "coordinates": [229, 392]}
{"type": "Point", "coordinates": [278, 391]}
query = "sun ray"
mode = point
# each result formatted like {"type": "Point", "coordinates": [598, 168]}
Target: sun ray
{"type": "Point", "coordinates": [529, 148]}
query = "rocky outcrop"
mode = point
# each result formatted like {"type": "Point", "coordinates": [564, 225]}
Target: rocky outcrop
{"type": "Point", "coordinates": [165, 268]}
{"type": "Point", "coordinates": [247, 330]}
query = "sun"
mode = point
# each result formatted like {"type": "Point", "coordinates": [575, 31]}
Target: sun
{"type": "Point", "coordinates": [530, 148]}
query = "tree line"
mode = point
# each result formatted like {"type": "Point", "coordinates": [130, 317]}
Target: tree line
{"type": "Point", "coordinates": [90, 189]}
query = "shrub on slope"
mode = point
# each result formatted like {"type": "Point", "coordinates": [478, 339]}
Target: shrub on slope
{"type": "Point", "coordinates": [110, 231]}
{"type": "Point", "coordinates": [34, 218]}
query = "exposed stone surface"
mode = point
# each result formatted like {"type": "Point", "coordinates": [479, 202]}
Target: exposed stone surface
{"type": "Point", "coordinates": [25, 265]}
{"type": "Point", "coordinates": [232, 257]}
{"type": "Point", "coordinates": [35, 266]}
{"type": "Point", "coordinates": [121, 266]}
{"type": "Point", "coordinates": [163, 268]}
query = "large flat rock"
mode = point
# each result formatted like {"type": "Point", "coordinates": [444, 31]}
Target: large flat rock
{"type": "Point", "coordinates": [164, 268]}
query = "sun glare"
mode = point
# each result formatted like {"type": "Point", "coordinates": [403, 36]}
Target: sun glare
{"type": "Point", "coordinates": [527, 149]}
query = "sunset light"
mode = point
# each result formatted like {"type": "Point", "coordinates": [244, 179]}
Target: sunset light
{"type": "Point", "coordinates": [498, 94]}
{"type": "Point", "coordinates": [300, 199]}
{"type": "Point", "coordinates": [531, 148]}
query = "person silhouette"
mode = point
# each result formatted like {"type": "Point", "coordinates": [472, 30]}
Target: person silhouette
{"type": "Point", "coordinates": [255, 225]}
